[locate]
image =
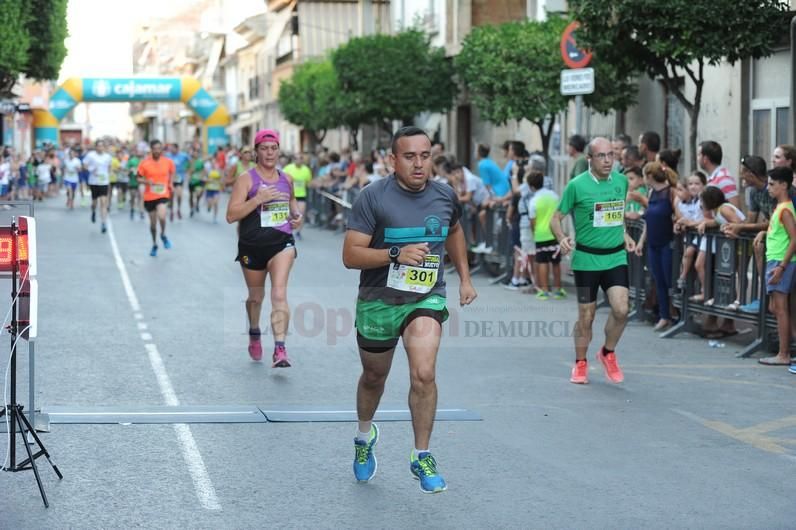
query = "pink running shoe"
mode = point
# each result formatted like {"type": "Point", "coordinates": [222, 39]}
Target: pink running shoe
{"type": "Point", "coordinates": [612, 370]}
{"type": "Point", "coordinates": [580, 373]}
{"type": "Point", "coordinates": [280, 358]}
{"type": "Point", "coordinates": [255, 349]}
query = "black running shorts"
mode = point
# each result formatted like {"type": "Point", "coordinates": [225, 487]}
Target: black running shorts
{"type": "Point", "coordinates": [150, 206]}
{"type": "Point", "coordinates": [256, 258]}
{"type": "Point", "coordinates": [98, 190]}
{"type": "Point", "coordinates": [587, 283]}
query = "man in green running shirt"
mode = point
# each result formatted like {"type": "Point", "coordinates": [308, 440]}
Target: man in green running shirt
{"type": "Point", "coordinates": [596, 200]}
{"type": "Point", "coordinates": [197, 182]}
{"type": "Point", "coordinates": [132, 173]}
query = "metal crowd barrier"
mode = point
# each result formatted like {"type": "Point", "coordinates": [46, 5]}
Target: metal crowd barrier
{"type": "Point", "coordinates": [639, 274]}
{"type": "Point", "coordinates": [496, 235]}
{"type": "Point", "coordinates": [324, 207]}
{"type": "Point", "coordinates": [731, 275]}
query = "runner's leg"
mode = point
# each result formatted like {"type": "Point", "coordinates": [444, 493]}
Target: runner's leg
{"type": "Point", "coordinates": [153, 226]}
{"type": "Point", "coordinates": [583, 329]}
{"type": "Point", "coordinates": [421, 339]}
{"type": "Point", "coordinates": [161, 213]}
{"type": "Point", "coordinates": [255, 283]}
{"type": "Point", "coordinates": [375, 369]}
{"type": "Point", "coordinates": [103, 205]}
{"type": "Point", "coordinates": [278, 270]}
{"type": "Point", "coordinates": [617, 319]}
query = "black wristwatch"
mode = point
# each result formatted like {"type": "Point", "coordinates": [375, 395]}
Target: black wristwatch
{"type": "Point", "coordinates": [394, 252]}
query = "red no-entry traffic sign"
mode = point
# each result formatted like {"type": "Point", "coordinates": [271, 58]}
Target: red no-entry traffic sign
{"type": "Point", "coordinates": [573, 56]}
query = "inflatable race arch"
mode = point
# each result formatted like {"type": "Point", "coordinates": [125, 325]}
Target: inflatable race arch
{"type": "Point", "coordinates": [186, 89]}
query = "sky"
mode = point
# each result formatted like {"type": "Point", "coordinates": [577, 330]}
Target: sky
{"type": "Point", "coordinates": [100, 45]}
{"type": "Point", "coordinates": [101, 37]}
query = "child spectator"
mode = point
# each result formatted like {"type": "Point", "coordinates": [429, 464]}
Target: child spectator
{"type": "Point", "coordinates": [658, 233]}
{"type": "Point", "coordinates": [637, 191]}
{"type": "Point", "coordinates": [718, 212]}
{"type": "Point", "coordinates": [689, 214]}
{"type": "Point", "coordinates": [781, 261]}
{"type": "Point", "coordinates": [541, 208]}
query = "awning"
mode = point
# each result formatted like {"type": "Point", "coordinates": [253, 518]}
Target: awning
{"type": "Point", "coordinates": [277, 27]}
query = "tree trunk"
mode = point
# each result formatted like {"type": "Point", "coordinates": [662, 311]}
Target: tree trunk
{"type": "Point", "coordinates": [353, 132]}
{"type": "Point", "coordinates": [693, 114]}
{"type": "Point", "coordinates": [546, 134]}
{"type": "Point", "coordinates": [7, 83]}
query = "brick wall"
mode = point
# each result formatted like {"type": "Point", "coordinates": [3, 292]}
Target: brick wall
{"type": "Point", "coordinates": [497, 11]}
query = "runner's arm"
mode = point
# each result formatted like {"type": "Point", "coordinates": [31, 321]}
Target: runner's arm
{"type": "Point", "coordinates": [456, 247]}
{"type": "Point", "coordinates": [239, 206]}
{"type": "Point", "coordinates": [555, 226]}
{"type": "Point", "coordinates": [357, 253]}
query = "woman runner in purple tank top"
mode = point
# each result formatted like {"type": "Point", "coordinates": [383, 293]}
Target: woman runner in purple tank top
{"type": "Point", "coordinates": [264, 206]}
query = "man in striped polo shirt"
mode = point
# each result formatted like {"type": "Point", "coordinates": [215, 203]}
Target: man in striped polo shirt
{"type": "Point", "coordinates": [709, 158]}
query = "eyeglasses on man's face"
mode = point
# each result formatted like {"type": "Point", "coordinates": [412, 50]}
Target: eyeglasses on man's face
{"type": "Point", "coordinates": [603, 156]}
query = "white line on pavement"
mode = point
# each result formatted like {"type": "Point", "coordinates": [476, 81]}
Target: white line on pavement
{"type": "Point", "coordinates": [202, 484]}
{"type": "Point", "coordinates": [117, 256]}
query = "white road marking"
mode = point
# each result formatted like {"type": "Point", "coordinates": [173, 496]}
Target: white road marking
{"type": "Point", "coordinates": [142, 326]}
{"type": "Point", "coordinates": [202, 484]}
{"type": "Point", "coordinates": [146, 337]}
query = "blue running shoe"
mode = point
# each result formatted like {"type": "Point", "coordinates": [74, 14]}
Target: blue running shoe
{"type": "Point", "coordinates": [166, 242]}
{"type": "Point", "coordinates": [424, 468]}
{"type": "Point", "coordinates": [364, 458]}
{"type": "Point", "coordinates": [154, 251]}
{"type": "Point", "coordinates": [751, 307]}
{"type": "Point", "coordinates": [792, 368]}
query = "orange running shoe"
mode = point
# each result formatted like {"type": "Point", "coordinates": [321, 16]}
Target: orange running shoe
{"type": "Point", "coordinates": [612, 370]}
{"type": "Point", "coordinates": [580, 373]}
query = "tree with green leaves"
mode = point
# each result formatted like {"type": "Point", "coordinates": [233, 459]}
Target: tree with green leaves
{"type": "Point", "coordinates": [677, 39]}
{"type": "Point", "coordinates": [14, 44]}
{"type": "Point", "coordinates": [307, 99]}
{"type": "Point", "coordinates": [394, 77]}
{"type": "Point", "coordinates": [47, 27]}
{"type": "Point", "coordinates": [33, 40]}
{"type": "Point", "coordinates": [512, 72]}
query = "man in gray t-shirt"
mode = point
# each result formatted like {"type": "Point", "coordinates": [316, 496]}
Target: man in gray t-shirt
{"type": "Point", "coordinates": [394, 216]}
{"type": "Point", "coordinates": [398, 232]}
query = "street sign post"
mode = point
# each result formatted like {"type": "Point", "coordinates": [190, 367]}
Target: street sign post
{"type": "Point", "coordinates": [573, 56]}
{"type": "Point", "coordinates": [577, 81]}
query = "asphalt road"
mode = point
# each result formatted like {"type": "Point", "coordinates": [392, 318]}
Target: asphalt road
{"type": "Point", "coordinates": [694, 438]}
